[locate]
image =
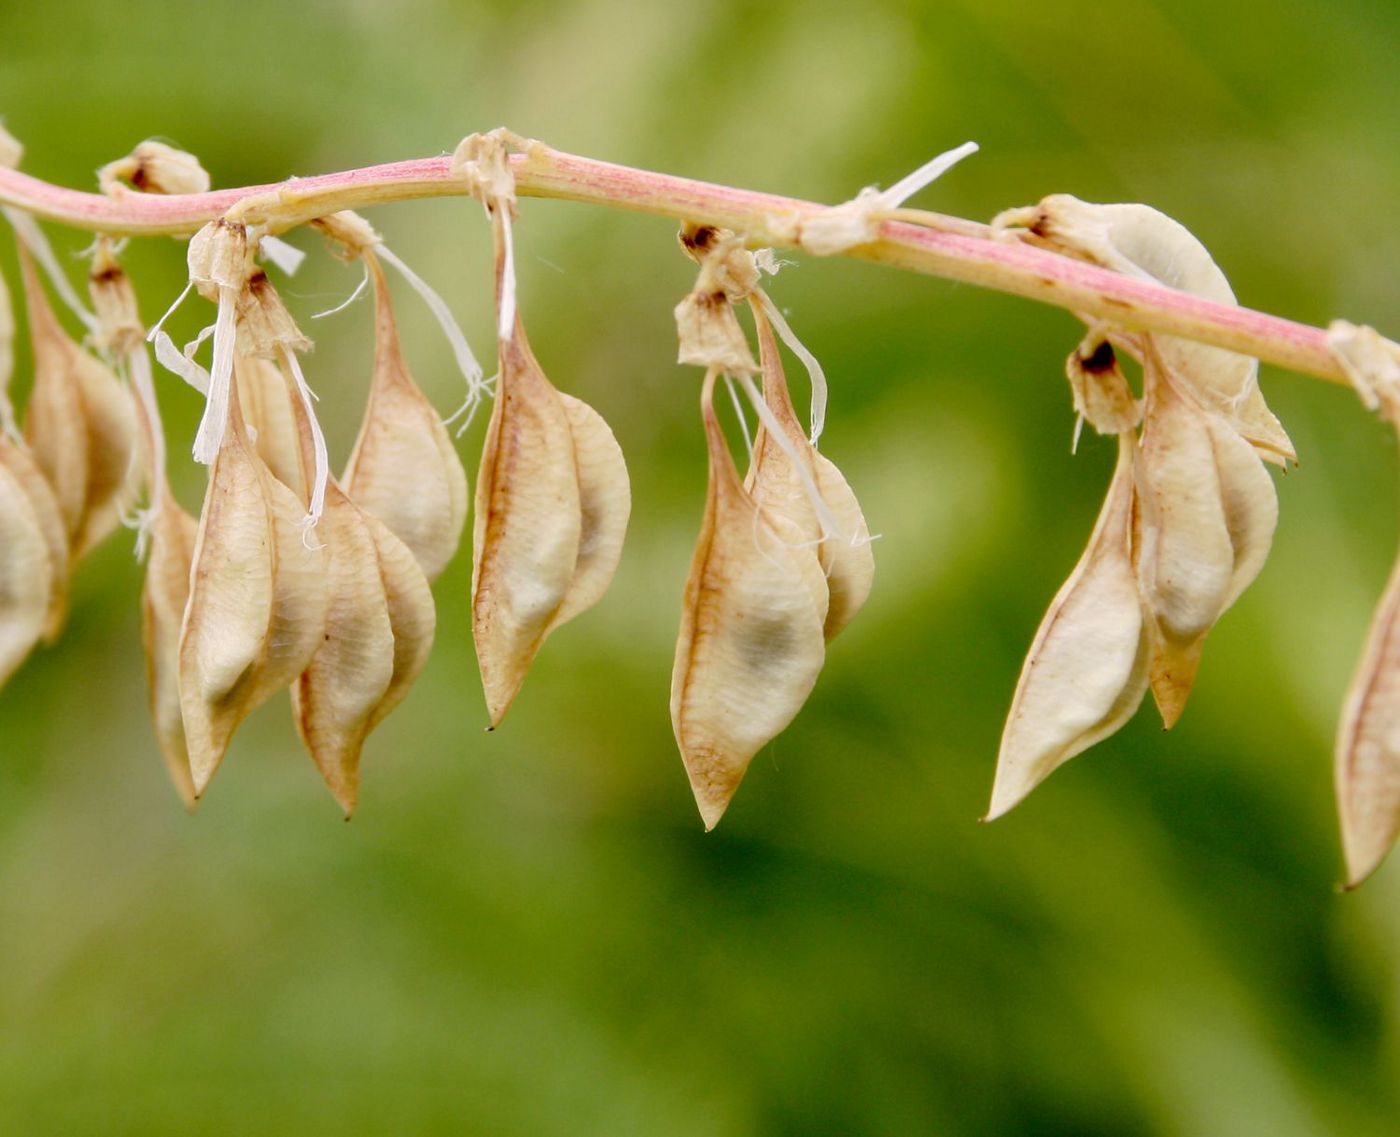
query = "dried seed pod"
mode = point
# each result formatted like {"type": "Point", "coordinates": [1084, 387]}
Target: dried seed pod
{"type": "Point", "coordinates": [751, 641]}
{"type": "Point", "coordinates": [166, 591]}
{"type": "Point", "coordinates": [333, 699]}
{"type": "Point", "coordinates": [412, 616]}
{"type": "Point", "coordinates": [1086, 672]}
{"type": "Point", "coordinates": [1368, 753]}
{"type": "Point", "coordinates": [1185, 558]}
{"type": "Point", "coordinates": [1140, 241]}
{"type": "Point", "coordinates": [26, 577]}
{"type": "Point", "coordinates": [709, 334]}
{"type": "Point", "coordinates": [80, 424]}
{"type": "Point", "coordinates": [20, 464]}
{"type": "Point", "coordinates": [257, 606]}
{"type": "Point", "coordinates": [779, 487]}
{"type": "Point", "coordinates": [268, 409]}
{"type": "Point", "coordinates": [605, 504]}
{"type": "Point", "coordinates": [404, 469]}
{"type": "Point", "coordinates": [528, 524]}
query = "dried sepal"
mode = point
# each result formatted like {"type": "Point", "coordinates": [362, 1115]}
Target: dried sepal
{"type": "Point", "coordinates": [528, 523]}
{"type": "Point", "coordinates": [26, 577]}
{"type": "Point", "coordinates": [268, 410]}
{"type": "Point", "coordinates": [709, 333]}
{"type": "Point", "coordinates": [173, 534]}
{"type": "Point", "coordinates": [1100, 389]}
{"type": "Point", "coordinates": [1086, 672]}
{"type": "Point", "coordinates": [605, 504]}
{"type": "Point", "coordinates": [154, 167]}
{"type": "Point", "coordinates": [751, 640]}
{"type": "Point", "coordinates": [80, 425]}
{"type": "Point", "coordinates": [19, 463]}
{"type": "Point", "coordinates": [404, 469]}
{"type": "Point", "coordinates": [257, 606]}
{"type": "Point", "coordinates": [1140, 241]}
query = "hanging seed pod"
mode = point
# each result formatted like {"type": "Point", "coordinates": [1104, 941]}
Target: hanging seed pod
{"type": "Point", "coordinates": [1185, 558]}
{"type": "Point", "coordinates": [26, 577]}
{"type": "Point", "coordinates": [166, 591]}
{"type": "Point", "coordinates": [1368, 756]}
{"type": "Point", "coordinates": [412, 616]}
{"type": "Point", "coordinates": [605, 504]}
{"type": "Point", "coordinates": [379, 628]}
{"type": "Point", "coordinates": [1140, 241]}
{"type": "Point", "coordinates": [528, 524]}
{"type": "Point", "coordinates": [751, 642]}
{"type": "Point", "coordinates": [1086, 672]}
{"type": "Point", "coordinates": [257, 606]}
{"type": "Point", "coordinates": [845, 554]}
{"type": "Point", "coordinates": [1207, 522]}
{"type": "Point", "coordinates": [21, 466]}
{"type": "Point", "coordinates": [268, 409]}
{"type": "Point", "coordinates": [346, 679]}
{"type": "Point", "coordinates": [80, 425]}
{"type": "Point", "coordinates": [404, 469]}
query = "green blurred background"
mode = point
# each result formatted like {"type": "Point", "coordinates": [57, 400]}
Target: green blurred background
{"type": "Point", "coordinates": [528, 933]}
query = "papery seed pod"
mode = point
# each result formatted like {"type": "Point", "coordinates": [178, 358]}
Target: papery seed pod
{"type": "Point", "coordinates": [751, 640]}
{"type": "Point", "coordinates": [267, 404]}
{"type": "Point", "coordinates": [173, 534]}
{"type": "Point", "coordinates": [404, 469]}
{"type": "Point", "coordinates": [1086, 672]}
{"type": "Point", "coordinates": [1140, 241]}
{"type": "Point", "coordinates": [25, 575]}
{"type": "Point", "coordinates": [80, 424]}
{"type": "Point", "coordinates": [845, 555]}
{"type": "Point", "coordinates": [333, 699]}
{"type": "Point", "coordinates": [605, 504]}
{"type": "Point", "coordinates": [1185, 556]}
{"type": "Point", "coordinates": [412, 616]}
{"type": "Point", "coordinates": [1368, 744]}
{"type": "Point", "coordinates": [22, 467]}
{"type": "Point", "coordinates": [528, 524]}
{"type": "Point", "coordinates": [1250, 501]}
{"type": "Point", "coordinates": [257, 607]}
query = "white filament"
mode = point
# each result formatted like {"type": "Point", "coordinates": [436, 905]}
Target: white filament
{"type": "Point", "coordinates": [809, 361]}
{"type": "Point", "coordinates": [925, 175]}
{"type": "Point", "coordinates": [28, 231]}
{"type": "Point", "coordinates": [739, 414]}
{"type": "Point", "coordinates": [286, 257]}
{"type": "Point", "coordinates": [830, 526]}
{"type": "Point", "coordinates": [505, 319]}
{"type": "Point", "coordinates": [359, 291]}
{"type": "Point", "coordinates": [215, 420]}
{"type": "Point", "coordinates": [477, 387]}
{"type": "Point", "coordinates": [182, 363]}
{"type": "Point", "coordinates": [318, 445]}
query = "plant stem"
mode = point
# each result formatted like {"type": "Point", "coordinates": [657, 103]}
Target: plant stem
{"type": "Point", "coordinates": [951, 248]}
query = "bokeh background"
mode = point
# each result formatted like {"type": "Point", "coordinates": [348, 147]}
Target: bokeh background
{"type": "Point", "coordinates": [528, 933]}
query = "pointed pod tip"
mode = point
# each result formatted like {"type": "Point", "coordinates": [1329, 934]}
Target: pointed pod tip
{"type": "Point", "coordinates": [711, 810]}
